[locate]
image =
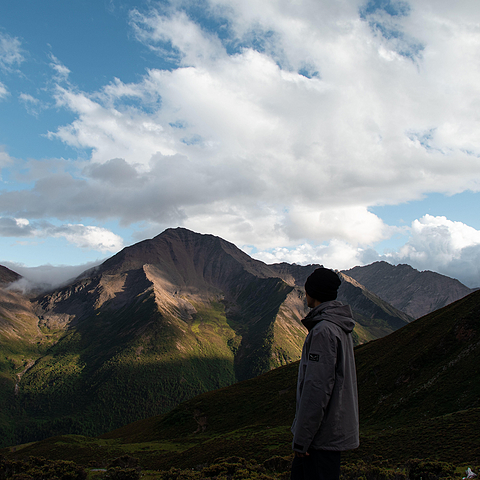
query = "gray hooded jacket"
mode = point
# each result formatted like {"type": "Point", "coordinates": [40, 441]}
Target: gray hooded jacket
{"type": "Point", "coordinates": [327, 406]}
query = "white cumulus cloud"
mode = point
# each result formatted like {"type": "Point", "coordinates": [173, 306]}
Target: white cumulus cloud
{"type": "Point", "coordinates": [434, 243]}
{"type": "Point", "coordinates": [91, 237]}
{"type": "Point", "coordinates": [337, 254]}
{"type": "Point", "coordinates": [444, 246]}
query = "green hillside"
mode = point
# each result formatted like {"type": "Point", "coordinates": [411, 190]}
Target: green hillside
{"type": "Point", "coordinates": [95, 378]}
{"type": "Point", "coordinates": [110, 370]}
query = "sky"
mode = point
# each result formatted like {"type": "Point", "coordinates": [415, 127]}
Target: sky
{"type": "Point", "coordinates": [306, 131]}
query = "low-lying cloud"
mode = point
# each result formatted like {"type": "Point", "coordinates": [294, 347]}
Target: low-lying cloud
{"type": "Point", "coordinates": [46, 277]}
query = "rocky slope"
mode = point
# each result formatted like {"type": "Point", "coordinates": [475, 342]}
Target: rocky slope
{"type": "Point", "coordinates": [413, 292]}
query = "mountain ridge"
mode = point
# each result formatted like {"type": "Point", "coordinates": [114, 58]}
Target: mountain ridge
{"type": "Point", "coordinates": [413, 292]}
{"type": "Point", "coordinates": [8, 276]}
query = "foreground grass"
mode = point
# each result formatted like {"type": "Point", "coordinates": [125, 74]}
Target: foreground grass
{"type": "Point", "coordinates": [453, 439]}
{"type": "Point", "coordinates": [231, 468]}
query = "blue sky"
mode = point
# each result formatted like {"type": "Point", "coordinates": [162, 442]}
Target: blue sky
{"type": "Point", "coordinates": [311, 132]}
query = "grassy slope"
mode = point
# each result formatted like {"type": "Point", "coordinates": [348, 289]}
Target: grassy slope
{"type": "Point", "coordinates": [251, 420]}
{"type": "Point", "coordinates": [21, 344]}
{"type": "Point", "coordinates": [426, 369]}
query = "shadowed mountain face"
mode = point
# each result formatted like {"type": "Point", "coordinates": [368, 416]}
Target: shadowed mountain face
{"type": "Point", "coordinates": [154, 325]}
{"type": "Point", "coordinates": [196, 285]}
{"type": "Point", "coordinates": [162, 321]}
{"type": "Point", "coordinates": [413, 292]}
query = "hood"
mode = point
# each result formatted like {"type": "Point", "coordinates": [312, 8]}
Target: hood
{"type": "Point", "coordinates": [333, 311]}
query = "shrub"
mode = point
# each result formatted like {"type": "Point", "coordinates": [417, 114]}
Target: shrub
{"type": "Point", "coordinates": [37, 468]}
{"type": "Point", "coordinates": [374, 470]}
{"type": "Point", "coordinates": [429, 469]}
{"type": "Point", "coordinates": [119, 473]}
{"type": "Point", "coordinates": [125, 461]}
{"type": "Point", "coordinates": [278, 464]}
{"type": "Point", "coordinates": [221, 469]}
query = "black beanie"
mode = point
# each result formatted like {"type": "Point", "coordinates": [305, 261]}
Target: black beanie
{"type": "Point", "coordinates": [322, 285]}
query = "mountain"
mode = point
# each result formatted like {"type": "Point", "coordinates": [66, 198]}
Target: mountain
{"type": "Point", "coordinates": [375, 317]}
{"type": "Point", "coordinates": [418, 395]}
{"type": "Point", "coordinates": [413, 292]}
{"type": "Point", "coordinates": [7, 276]}
{"type": "Point", "coordinates": [160, 322]}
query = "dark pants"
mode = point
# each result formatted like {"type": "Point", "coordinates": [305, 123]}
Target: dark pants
{"type": "Point", "coordinates": [319, 465]}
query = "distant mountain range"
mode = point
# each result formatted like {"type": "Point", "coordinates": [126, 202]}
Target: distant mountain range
{"type": "Point", "coordinates": [413, 292]}
{"type": "Point", "coordinates": [160, 322]}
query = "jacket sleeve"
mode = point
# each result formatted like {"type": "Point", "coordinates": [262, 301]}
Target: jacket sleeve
{"type": "Point", "coordinates": [318, 383]}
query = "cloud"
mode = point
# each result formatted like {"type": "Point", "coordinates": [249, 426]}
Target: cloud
{"type": "Point", "coordinates": [82, 236]}
{"type": "Point", "coordinates": [3, 91]}
{"type": "Point", "coordinates": [45, 277]}
{"type": "Point", "coordinates": [354, 225]}
{"type": "Point", "coordinates": [15, 227]}
{"type": "Point", "coordinates": [62, 72]}
{"type": "Point", "coordinates": [5, 158]}
{"type": "Point", "coordinates": [435, 243]}
{"type": "Point", "coordinates": [11, 53]}
{"type": "Point", "coordinates": [381, 138]}
{"type": "Point", "coordinates": [116, 172]}
{"type": "Point", "coordinates": [272, 124]}
{"type": "Point", "coordinates": [443, 238]}
{"type": "Point", "coordinates": [444, 246]}
{"type": "Point", "coordinates": [33, 105]}
{"type": "Point", "coordinates": [175, 35]}
{"type": "Point", "coordinates": [336, 254]}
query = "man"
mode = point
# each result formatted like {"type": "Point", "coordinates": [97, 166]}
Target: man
{"type": "Point", "coordinates": [326, 419]}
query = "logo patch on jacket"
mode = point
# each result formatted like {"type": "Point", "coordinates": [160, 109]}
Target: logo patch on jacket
{"type": "Point", "coordinates": [314, 357]}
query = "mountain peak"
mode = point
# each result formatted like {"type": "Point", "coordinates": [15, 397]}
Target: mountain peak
{"type": "Point", "coordinates": [187, 257]}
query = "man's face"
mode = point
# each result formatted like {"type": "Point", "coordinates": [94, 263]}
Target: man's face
{"type": "Point", "coordinates": [311, 302]}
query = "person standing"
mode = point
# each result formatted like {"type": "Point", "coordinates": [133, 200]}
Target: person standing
{"type": "Point", "coordinates": [326, 417]}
